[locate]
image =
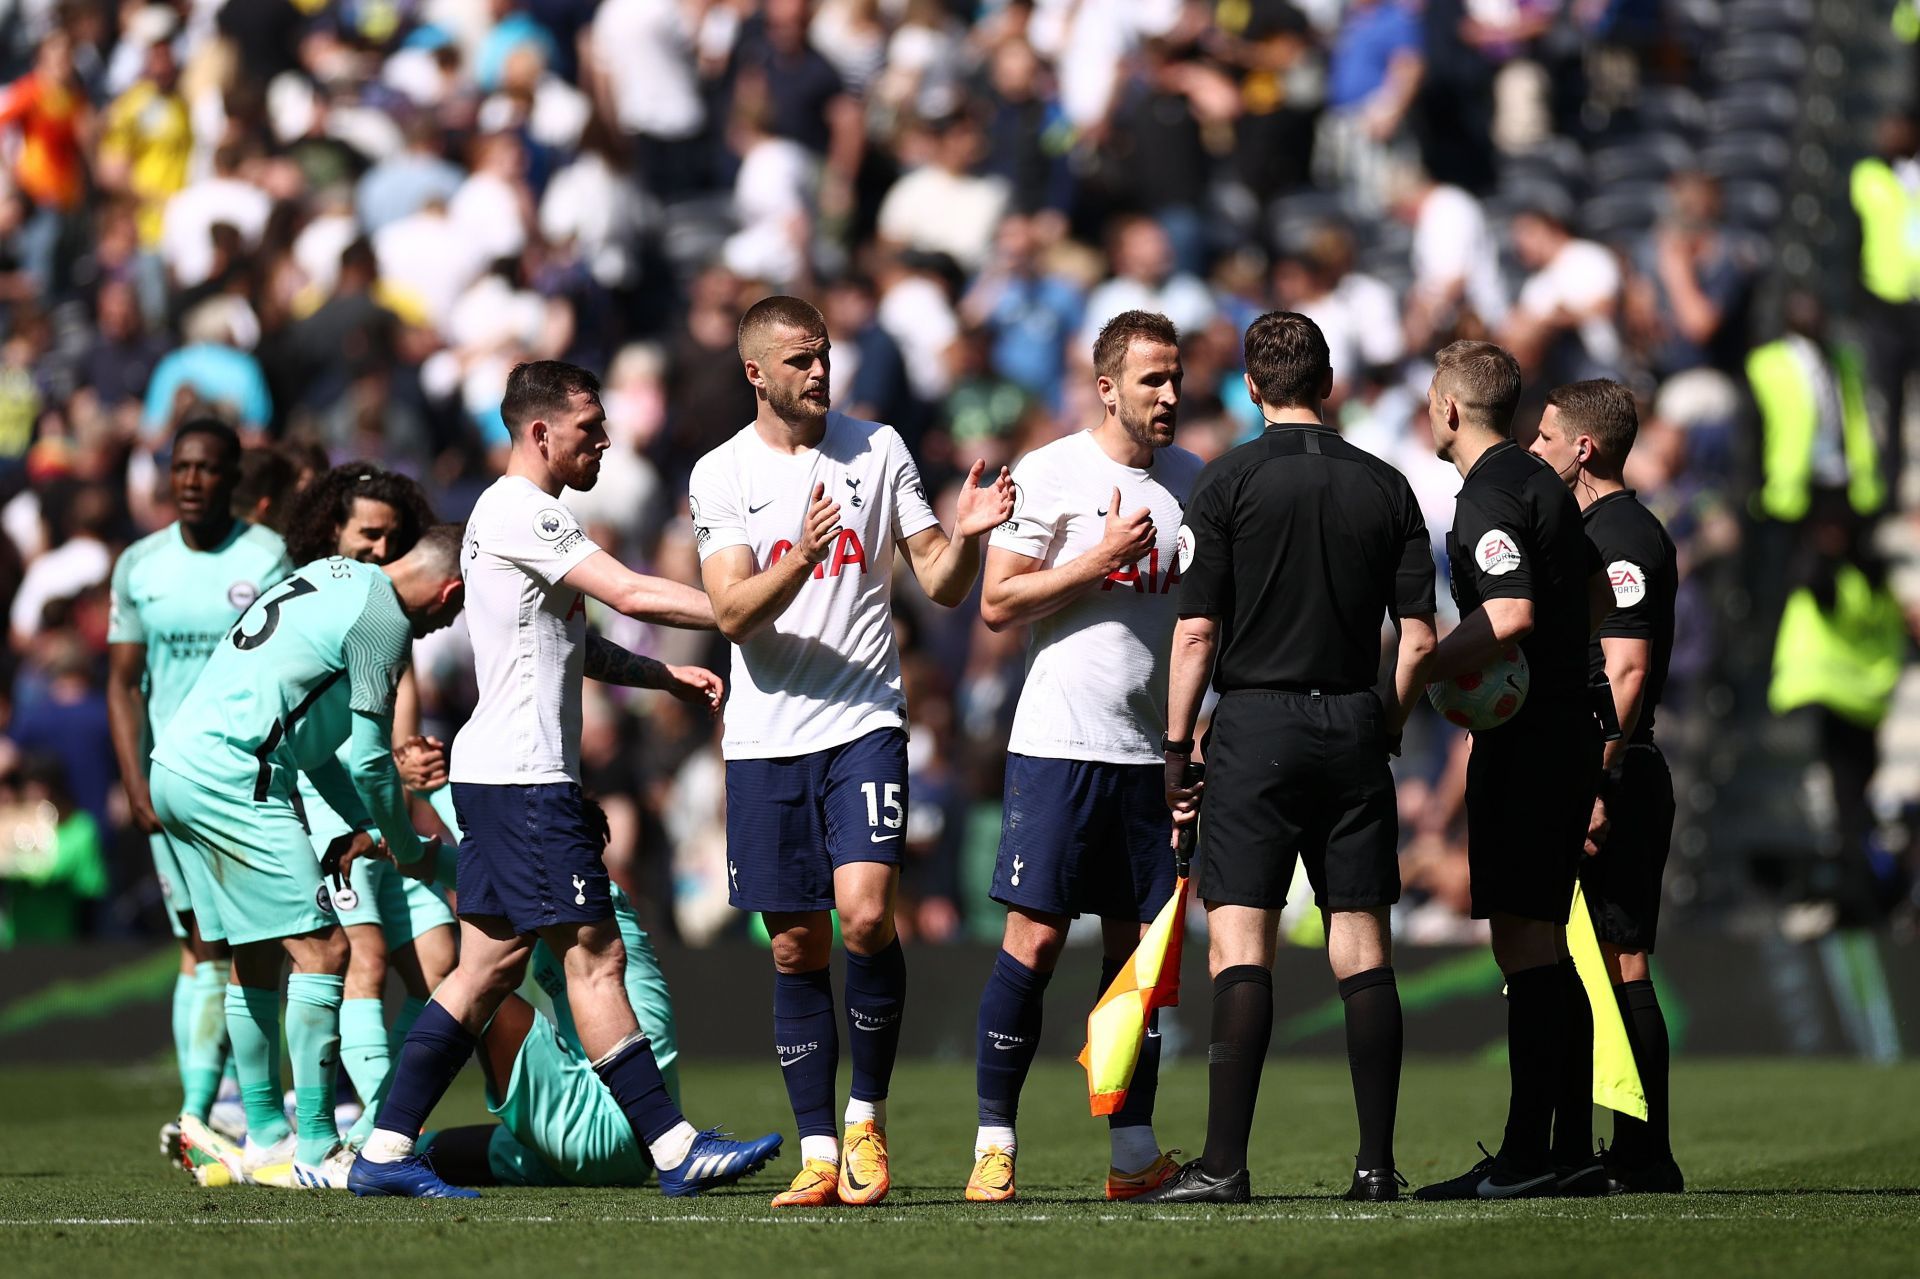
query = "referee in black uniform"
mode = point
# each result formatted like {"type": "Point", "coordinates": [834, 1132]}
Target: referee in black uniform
{"type": "Point", "coordinates": [1296, 548]}
{"type": "Point", "coordinates": [1523, 571]}
{"type": "Point", "coordinates": [1585, 436]}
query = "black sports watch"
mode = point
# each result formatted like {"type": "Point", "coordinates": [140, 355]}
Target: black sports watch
{"type": "Point", "coordinates": [1170, 747]}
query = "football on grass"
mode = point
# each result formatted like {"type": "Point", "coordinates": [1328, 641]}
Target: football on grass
{"type": "Point", "coordinates": [1483, 699]}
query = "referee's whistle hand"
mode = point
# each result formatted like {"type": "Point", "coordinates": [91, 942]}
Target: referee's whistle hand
{"type": "Point", "coordinates": [1599, 826]}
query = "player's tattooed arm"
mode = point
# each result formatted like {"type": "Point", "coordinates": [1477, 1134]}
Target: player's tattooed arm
{"type": "Point", "coordinates": [611, 664]}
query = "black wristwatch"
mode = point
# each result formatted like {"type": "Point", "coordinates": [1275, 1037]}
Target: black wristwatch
{"type": "Point", "coordinates": [1170, 747]}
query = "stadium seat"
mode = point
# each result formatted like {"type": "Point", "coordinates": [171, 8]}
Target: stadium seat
{"type": "Point", "coordinates": [1747, 155]}
{"type": "Point", "coordinates": [1622, 212]}
{"type": "Point", "coordinates": [1766, 57]}
{"type": "Point", "coordinates": [1790, 17]}
{"type": "Point", "coordinates": [1750, 204]}
{"type": "Point", "coordinates": [1754, 108]}
{"type": "Point", "coordinates": [1648, 157]}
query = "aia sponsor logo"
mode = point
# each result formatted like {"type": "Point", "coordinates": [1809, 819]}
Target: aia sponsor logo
{"type": "Point", "coordinates": [1145, 576]}
{"type": "Point", "coordinates": [848, 553]}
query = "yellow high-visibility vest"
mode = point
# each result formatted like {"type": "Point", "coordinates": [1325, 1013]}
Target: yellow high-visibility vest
{"type": "Point", "coordinates": [1788, 418]}
{"type": "Point", "coordinates": [1889, 232]}
{"type": "Point", "coordinates": [1848, 660]}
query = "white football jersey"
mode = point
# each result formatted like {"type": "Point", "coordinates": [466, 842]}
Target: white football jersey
{"type": "Point", "coordinates": [1096, 684]}
{"type": "Point", "coordinates": [529, 638]}
{"type": "Point", "coordinates": [827, 670]}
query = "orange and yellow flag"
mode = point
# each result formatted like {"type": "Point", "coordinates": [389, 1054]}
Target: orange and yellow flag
{"type": "Point", "coordinates": [1117, 1026]}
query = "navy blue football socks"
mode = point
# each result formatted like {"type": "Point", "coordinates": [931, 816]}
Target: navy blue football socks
{"type": "Point", "coordinates": [633, 1077]}
{"type": "Point", "coordinates": [876, 997]}
{"type": "Point", "coordinates": [808, 1045]}
{"type": "Point", "coordinates": [435, 1050]}
{"type": "Point", "coordinates": [1009, 1036]}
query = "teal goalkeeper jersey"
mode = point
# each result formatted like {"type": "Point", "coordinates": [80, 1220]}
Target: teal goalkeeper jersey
{"type": "Point", "coordinates": [278, 695]}
{"type": "Point", "coordinates": [180, 602]}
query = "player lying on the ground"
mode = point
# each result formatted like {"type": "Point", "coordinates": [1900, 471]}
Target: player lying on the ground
{"type": "Point", "coordinates": [175, 593]}
{"type": "Point", "coordinates": [311, 665]}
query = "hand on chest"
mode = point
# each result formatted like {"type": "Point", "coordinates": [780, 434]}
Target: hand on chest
{"type": "Point", "coordinates": [1083, 528]}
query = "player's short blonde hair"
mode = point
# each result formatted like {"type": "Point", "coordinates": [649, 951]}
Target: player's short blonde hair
{"type": "Point", "coordinates": [1483, 379]}
{"type": "Point", "coordinates": [777, 312]}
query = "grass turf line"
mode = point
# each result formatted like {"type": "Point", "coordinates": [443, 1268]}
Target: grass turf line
{"type": "Point", "coordinates": [1798, 1168]}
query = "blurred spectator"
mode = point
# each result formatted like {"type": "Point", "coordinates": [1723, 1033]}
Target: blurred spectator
{"type": "Point", "coordinates": [943, 206]}
{"type": "Point", "coordinates": [870, 379]}
{"type": "Point", "coordinates": [209, 371]}
{"type": "Point", "coordinates": [1281, 89]}
{"type": "Point", "coordinates": [1031, 312]}
{"type": "Point", "coordinates": [147, 136]}
{"type": "Point", "coordinates": [1374, 71]}
{"type": "Point", "coordinates": [120, 355]}
{"type": "Point", "coordinates": [1815, 436]}
{"type": "Point", "coordinates": [1886, 202]}
{"type": "Point", "coordinates": [1456, 289]}
{"type": "Point", "coordinates": [65, 722]}
{"type": "Point", "coordinates": [643, 74]}
{"type": "Point", "coordinates": [223, 198]}
{"type": "Point", "coordinates": [1359, 315]}
{"type": "Point", "coordinates": [1562, 325]}
{"type": "Point", "coordinates": [773, 198]}
{"type": "Point", "coordinates": [52, 859]}
{"type": "Point", "coordinates": [408, 181]}
{"type": "Point", "coordinates": [1027, 136]}
{"type": "Point", "coordinates": [78, 519]}
{"type": "Point", "coordinates": [775, 57]}
{"type": "Point", "coordinates": [48, 111]}
{"type": "Point", "coordinates": [1689, 284]}
{"type": "Point", "coordinates": [1145, 278]}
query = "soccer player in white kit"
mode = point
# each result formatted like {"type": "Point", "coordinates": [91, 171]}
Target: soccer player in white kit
{"type": "Point", "coordinates": [530, 863]}
{"type": "Point", "coordinates": [1089, 560]}
{"type": "Point", "coordinates": [797, 518]}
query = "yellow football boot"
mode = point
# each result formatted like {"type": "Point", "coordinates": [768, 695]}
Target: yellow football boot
{"type": "Point", "coordinates": [816, 1186]}
{"type": "Point", "coordinates": [863, 1165]}
{"type": "Point", "coordinates": [992, 1180]}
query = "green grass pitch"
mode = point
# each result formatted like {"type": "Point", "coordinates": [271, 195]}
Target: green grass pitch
{"type": "Point", "coordinates": [1795, 1168]}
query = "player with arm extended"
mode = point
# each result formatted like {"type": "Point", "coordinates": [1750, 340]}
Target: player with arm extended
{"type": "Point", "coordinates": [174, 594]}
{"type": "Point", "coordinates": [1088, 561]}
{"type": "Point", "coordinates": [1524, 573]}
{"type": "Point", "coordinates": [1585, 436]}
{"type": "Point", "coordinates": [361, 512]}
{"type": "Point", "coordinates": [797, 519]}
{"type": "Point", "coordinates": [310, 665]}
{"type": "Point", "coordinates": [530, 868]}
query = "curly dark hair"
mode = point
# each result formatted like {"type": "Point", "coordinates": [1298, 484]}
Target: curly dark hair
{"type": "Point", "coordinates": [320, 509]}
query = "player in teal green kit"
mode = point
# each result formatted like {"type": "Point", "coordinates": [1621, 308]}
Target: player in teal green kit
{"type": "Point", "coordinates": [361, 512]}
{"type": "Point", "coordinates": [175, 594]}
{"type": "Point", "coordinates": [311, 665]}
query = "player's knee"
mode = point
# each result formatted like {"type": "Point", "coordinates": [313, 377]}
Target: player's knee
{"type": "Point", "coordinates": [602, 966]}
{"type": "Point", "coordinates": [1036, 943]}
{"type": "Point", "coordinates": [322, 952]}
{"type": "Point", "coordinates": [1520, 944]}
{"type": "Point", "coordinates": [867, 927]}
{"type": "Point", "coordinates": [802, 950]}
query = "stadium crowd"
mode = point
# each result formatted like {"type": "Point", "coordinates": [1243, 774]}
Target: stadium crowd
{"type": "Point", "coordinates": [339, 224]}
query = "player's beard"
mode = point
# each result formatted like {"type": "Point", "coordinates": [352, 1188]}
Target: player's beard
{"type": "Point", "coordinates": [797, 407]}
{"type": "Point", "coordinates": [1143, 429]}
{"type": "Point", "coordinates": [580, 473]}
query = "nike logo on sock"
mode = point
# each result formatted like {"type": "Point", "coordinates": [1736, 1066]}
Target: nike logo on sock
{"type": "Point", "coordinates": [788, 1061]}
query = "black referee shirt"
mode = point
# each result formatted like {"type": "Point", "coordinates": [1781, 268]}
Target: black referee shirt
{"type": "Point", "coordinates": [1302, 544]}
{"type": "Point", "coordinates": [1517, 534]}
{"type": "Point", "coordinates": [1642, 569]}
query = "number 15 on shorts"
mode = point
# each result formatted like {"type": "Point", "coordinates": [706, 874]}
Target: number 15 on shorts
{"type": "Point", "coordinates": [884, 809]}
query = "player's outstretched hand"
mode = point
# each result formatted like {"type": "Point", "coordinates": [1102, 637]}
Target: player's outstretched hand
{"type": "Point", "coordinates": [348, 849]}
{"type": "Point", "coordinates": [821, 527]}
{"type": "Point", "coordinates": [422, 762]}
{"type": "Point", "coordinates": [697, 685]}
{"type": "Point", "coordinates": [1599, 826]}
{"type": "Point", "coordinates": [983, 509]}
{"type": "Point", "coordinates": [1129, 537]}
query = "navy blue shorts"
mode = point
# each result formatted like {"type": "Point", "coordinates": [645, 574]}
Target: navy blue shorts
{"type": "Point", "coordinates": [1079, 837]}
{"type": "Point", "coordinates": [527, 856]}
{"type": "Point", "coordinates": [791, 822]}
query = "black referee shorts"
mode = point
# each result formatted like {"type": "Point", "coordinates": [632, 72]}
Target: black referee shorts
{"type": "Point", "coordinates": [1530, 788]}
{"type": "Point", "coordinates": [1623, 883]}
{"type": "Point", "coordinates": [1298, 775]}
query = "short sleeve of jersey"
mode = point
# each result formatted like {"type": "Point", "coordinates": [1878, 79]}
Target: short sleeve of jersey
{"type": "Point", "coordinates": [539, 535]}
{"type": "Point", "coordinates": [379, 646]}
{"type": "Point", "coordinates": [1203, 551]}
{"type": "Point", "coordinates": [1490, 528]}
{"type": "Point", "coordinates": [123, 619]}
{"type": "Point", "coordinates": [713, 500]}
{"type": "Point", "coordinates": [911, 510]}
{"type": "Point", "coordinates": [1413, 580]}
{"type": "Point", "coordinates": [1630, 556]}
{"type": "Point", "coordinates": [1030, 530]}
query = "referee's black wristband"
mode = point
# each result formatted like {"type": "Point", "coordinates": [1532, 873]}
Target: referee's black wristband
{"type": "Point", "coordinates": [1170, 747]}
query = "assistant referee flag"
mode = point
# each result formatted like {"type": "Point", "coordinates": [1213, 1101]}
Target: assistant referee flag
{"type": "Point", "coordinates": [1117, 1026]}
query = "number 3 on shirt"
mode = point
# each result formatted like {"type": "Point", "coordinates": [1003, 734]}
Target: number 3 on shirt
{"type": "Point", "coordinates": [295, 588]}
{"type": "Point", "coordinates": [894, 815]}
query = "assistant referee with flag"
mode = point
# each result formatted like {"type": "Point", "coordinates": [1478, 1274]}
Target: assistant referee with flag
{"type": "Point", "coordinates": [1297, 547]}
